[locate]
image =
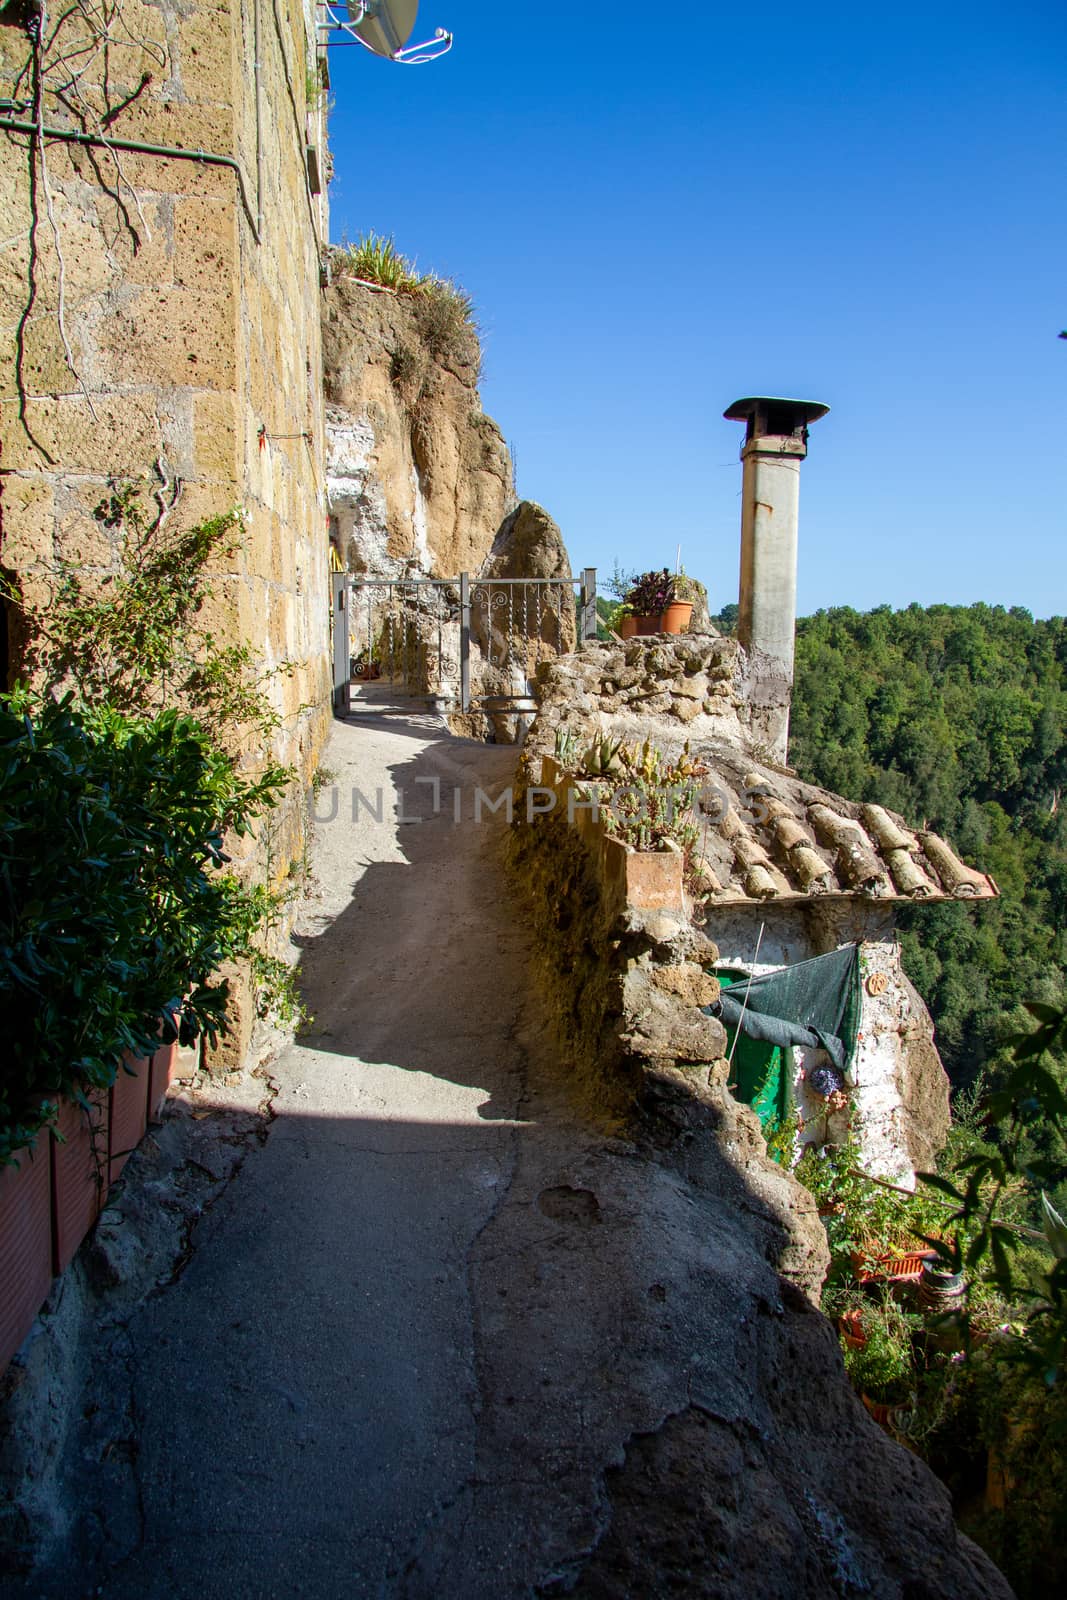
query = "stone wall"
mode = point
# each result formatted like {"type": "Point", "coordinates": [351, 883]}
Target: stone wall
{"type": "Point", "coordinates": [699, 687]}
{"type": "Point", "coordinates": [624, 983]}
{"type": "Point", "coordinates": [190, 298]}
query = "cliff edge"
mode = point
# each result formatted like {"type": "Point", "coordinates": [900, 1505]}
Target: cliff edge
{"type": "Point", "coordinates": [418, 477]}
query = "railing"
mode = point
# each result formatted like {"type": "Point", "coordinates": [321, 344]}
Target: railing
{"type": "Point", "coordinates": [421, 636]}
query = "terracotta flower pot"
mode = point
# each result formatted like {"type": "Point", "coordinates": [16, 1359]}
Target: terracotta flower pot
{"type": "Point", "coordinates": [850, 1327]}
{"type": "Point", "coordinates": [646, 625]}
{"type": "Point", "coordinates": [25, 1244]}
{"type": "Point", "coordinates": [79, 1174]}
{"type": "Point", "coordinates": [889, 1268]}
{"type": "Point", "coordinates": [675, 617]}
{"type": "Point", "coordinates": [129, 1113]}
{"type": "Point", "coordinates": [627, 627]}
{"type": "Point", "coordinates": [877, 1410]}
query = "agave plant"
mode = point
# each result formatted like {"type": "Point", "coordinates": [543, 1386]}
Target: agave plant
{"type": "Point", "coordinates": [566, 748]}
{"type": "Point", "coordinates": [605, 758]}
{"type": "Point", "coordinates": [378, 260]}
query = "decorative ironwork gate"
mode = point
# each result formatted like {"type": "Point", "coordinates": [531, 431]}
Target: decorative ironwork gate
{"type": "Point", "coordinates": [418, 635]}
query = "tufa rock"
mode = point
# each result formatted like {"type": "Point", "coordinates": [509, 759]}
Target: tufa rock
{"type": "Point", "coordinates": [688, 983]}
{"type": "Point", "coordinates": [418, 477]}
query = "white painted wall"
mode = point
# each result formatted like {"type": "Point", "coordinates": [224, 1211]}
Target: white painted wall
{"type": "Point", "coordinates": [879, 1066]}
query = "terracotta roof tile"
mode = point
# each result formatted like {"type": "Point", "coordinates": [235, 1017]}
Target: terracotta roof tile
{"type": "Point", "coordinates": [771, 836]}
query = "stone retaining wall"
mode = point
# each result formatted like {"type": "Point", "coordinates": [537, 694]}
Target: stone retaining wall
{"type": "Point", "coordinates": [624, 982]}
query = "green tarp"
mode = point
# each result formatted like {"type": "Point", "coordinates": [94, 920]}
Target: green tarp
{"type": "Point", "coordinates": [815, 1002]}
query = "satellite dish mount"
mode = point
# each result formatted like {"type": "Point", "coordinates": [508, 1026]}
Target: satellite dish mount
{"type": "Point", "coordinates": [384, 27]}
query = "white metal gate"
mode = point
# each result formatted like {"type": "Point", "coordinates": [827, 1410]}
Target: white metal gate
{"type": "Point", "coordinates": [417, 634]}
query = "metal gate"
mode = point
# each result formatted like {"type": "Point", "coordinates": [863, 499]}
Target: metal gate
{"type": "Point", "coordinates": [417, 637]}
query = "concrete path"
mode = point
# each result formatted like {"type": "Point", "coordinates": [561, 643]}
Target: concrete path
{"type": "Point", "coordinates": [306, 1393]}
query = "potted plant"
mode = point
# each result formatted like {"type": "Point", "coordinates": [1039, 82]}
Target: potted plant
{"type": "Point", "coordinates": [646, 598]}
{"type": "Point", "coordinates": [678, 610]}
{"type": "Point", "coordinates": [880, 1360]}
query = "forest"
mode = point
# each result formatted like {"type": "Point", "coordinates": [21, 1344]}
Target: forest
{"type": "Point", "coordinates": [956, 717]}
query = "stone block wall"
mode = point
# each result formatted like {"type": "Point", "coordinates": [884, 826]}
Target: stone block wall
{"type": "Point", "coordinates": [190, 299]}
{"type": "Point", "coordinates": [623, 983]}
{"type": "Point", "coordinates": [699, 687]}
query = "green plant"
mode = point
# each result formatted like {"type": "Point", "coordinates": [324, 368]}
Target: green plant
{"type": "Point", "coordinates": [782, 1139]}
{"type": "Point", "coordinates": [131, 639]}
{"type": "Point", "coordinates": [652, 808]}
{"type": "Point", "coordinates": [883, 1366]}
{"type": "Point", "coordinates": [376, 259]}
{"type": "Point", "coordinates": [982, 1236]}
{"type": "Point", "coordinates": [116, 912]}
{"type": "Point", "coordinates": [321, 779]}
{"type": "Point", "coordinates": [566, 749]}
{"type": "Point", "coordinates": [142, 743]}
{"type": "Point", "coordinates": [603, 758]}
{"type": "Point", "coordinates": [863, 1216]}
{"type": "Point", "coordinates": [316, 84]}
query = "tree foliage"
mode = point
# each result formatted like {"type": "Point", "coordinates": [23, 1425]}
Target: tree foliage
{"type": "Point", "coordinates": [955, 716]}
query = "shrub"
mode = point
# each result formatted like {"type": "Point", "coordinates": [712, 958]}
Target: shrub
{"type": "Point", "coordinates": [121, 772]}
{"type": "Point", "coordinates": [444, 316]}
{"type": "Point", "coordinates": [132, 639]}
{"type": "Point", "coordinates": [115, 914]}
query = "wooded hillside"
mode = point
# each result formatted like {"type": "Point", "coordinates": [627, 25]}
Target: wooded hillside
{"type": "Point", "coordinates": [955, 716]}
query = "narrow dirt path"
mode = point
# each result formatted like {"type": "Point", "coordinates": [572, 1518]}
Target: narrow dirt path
{"type": "Point", "coordinates": [306, 1394]}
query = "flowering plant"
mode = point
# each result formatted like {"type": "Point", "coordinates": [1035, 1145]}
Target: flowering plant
{"type": "Point", "coordinates": [649, 593]}
{"type": "Point", "coordinates": [652, 591]}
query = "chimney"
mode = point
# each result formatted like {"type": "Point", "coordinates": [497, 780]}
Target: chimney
{"type": "Point", "coordinates": [776, 442]}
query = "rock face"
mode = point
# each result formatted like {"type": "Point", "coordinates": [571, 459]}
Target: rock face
{"type": "Point", "coordinates": [515, 629]}
{"type": "Point", "coordinates": [417, 475]}
{"type": "Point", "coordinates": [528, 545]}
{"type": "Point", "coordinates": [923, 1084]}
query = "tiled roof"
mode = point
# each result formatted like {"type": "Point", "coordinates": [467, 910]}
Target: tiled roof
{"type": "Point", "coordinates": [766, 835]}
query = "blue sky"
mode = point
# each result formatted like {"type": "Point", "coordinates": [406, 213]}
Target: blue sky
{"type": "Point", "coordinates": [655, 217]}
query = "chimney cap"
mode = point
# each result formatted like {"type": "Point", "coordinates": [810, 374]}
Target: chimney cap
{"type": "Point", "coordinates": [801, 411]}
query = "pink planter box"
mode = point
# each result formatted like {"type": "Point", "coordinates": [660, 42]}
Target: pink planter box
{"type": "Point", "coordinates": [50, 1200]}
{"type": "Point", "coordinates": [129, 1113]}
{"type": "Point", "coordinates": [79, 1175]}
{"type": "Point", "coordinates": [25, 1245]}
{"type": "Point", "coordinates": [160, 1077]}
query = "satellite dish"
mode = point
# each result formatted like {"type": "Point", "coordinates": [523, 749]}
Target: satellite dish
{"type": "Point", "coordinates": [387, 25]}
{"type": "Point", "coordinates": [384, 28]}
